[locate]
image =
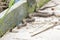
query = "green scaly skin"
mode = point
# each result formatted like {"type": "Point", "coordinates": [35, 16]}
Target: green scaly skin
{"type": "Point", "coordinates": [9, 21]}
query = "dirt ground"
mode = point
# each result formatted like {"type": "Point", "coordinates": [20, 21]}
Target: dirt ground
{"type": "Point", "coordinates": [3, 5]}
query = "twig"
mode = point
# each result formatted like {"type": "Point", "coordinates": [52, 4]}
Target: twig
{"type": "Point", "coordinates": [45, 29]}
{"type": "Point", "coordinates": [47, 7]}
